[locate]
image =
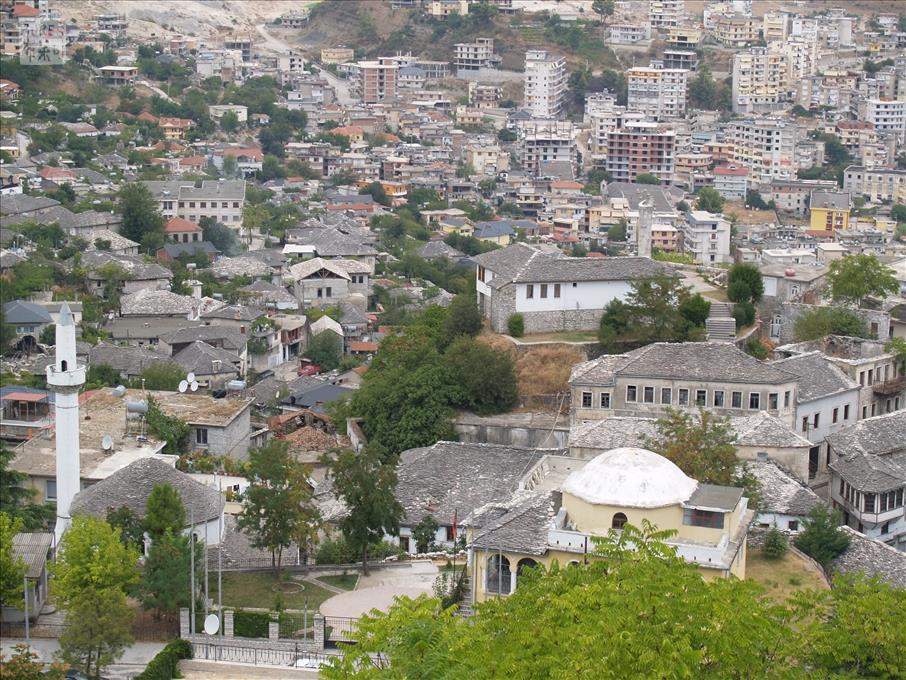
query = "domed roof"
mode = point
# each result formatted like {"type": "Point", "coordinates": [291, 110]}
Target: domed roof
{"type": "Point", "coordinates": [630, 477]}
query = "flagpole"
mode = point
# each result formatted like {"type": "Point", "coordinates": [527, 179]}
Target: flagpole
{"type": "Point", "coordinates": [220, 560]}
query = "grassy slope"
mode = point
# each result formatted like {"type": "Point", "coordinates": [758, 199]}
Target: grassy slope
{"type": "Point", "coordinates": [784, 577]}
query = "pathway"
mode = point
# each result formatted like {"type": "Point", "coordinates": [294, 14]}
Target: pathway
{"type": "Point", "coordinates": [321, 584]}
{"type": "Point", "coordinates": [380, 587]}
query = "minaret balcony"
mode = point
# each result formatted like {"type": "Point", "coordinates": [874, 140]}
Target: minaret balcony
{"type": "Point", "coordinates": [74, 377]}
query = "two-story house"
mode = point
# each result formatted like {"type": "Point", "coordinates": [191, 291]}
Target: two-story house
{"type": "Point", "coordinates": [868, 476]}
{"type": "Point", "coordinates": [686, 376]}
{"type": "Point", "coordinates": [553, 292]}
{"type": "Point", "coordinates": [321, 283]}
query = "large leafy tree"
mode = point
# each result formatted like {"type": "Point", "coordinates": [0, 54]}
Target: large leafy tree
{"type": "Point", "coordinates": [820, 321]}
{"type": "Point", "coordinates": [165, 586]}
{"type": "Point", "coordinates": [821, 538]}
{"type": "Point", "coordinates": [161, 375]}
{"type": "Point", "coordinates": [366, 484]}
{"type": "Point", "coordinates": [484, 378]}
{"type": "Point", "coordinates": [709, 199]}
{"type": "Point", "coordinates": [463, 317]}
{"type": "Point", "coordinates": [12, 569]}
{"type": "Point", "coordinates": [744, 283]}
{"type": "Point", "coordinates": [98, 630]}
{"type": "Point", "coordinates": [141, 220]}
{"type": "Point", "coordinates": [164, 511]}
{"type": "Point", "coordinates": [325, 350]}
{"type": "Point", "coordinates": [701, 447]}
{"type": "Point", "coordinates": [853, 278]}
{"type": "Point", "coordinates": [278, 509]}
{"type": "Point", "coordinates": [132, 532]}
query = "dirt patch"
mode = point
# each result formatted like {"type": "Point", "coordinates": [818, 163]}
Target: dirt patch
{"type": "Point", "coordinates": [540, 370]}
{"type": "Point", "coordinates": [747, 216]}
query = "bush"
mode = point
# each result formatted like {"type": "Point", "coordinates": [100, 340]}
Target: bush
{"type": "Point", "coordinates": [164, 665]}
{"type": "Point", "coordinates": [744, 313]}
{"type": "Point", "coordinates": [775, 545]}
{"type": "Point", "coordinates": [251, 624]}
{"type": "Point", "coordinates": [334, 551]}
{"type": "Point", "coordinates": [516, 325]}
{"type": "Point", "coordinates": [756, 348]}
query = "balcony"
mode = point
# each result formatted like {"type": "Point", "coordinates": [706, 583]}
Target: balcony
{"type": "Point", "coordinates": [890, 387]}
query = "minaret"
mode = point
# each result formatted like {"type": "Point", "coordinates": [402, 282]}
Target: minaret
{"type": "Point", "coordinates": [643, 228]}
{"type": "Point", "coordinates": [65, 378]}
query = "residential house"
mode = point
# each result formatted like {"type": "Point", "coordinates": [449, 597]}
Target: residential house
{"type": "Point", "coordinates": [35, 552]}
{"type": "Point", "coordinates": [25, 412]}
{"type": "Point", "coordinates": [218, 336]}
{"type": "Point", "coordinates": [707, 237]}
{"type": "Point", "coordinates": [133, 273]}
{"type": "Point", "coordinates": [179, 230]}
{"type": "Point", "coordinates": [27, 318]}
{"type": "Point", "coordinates": [872, 558]}
{"type": "Point", "coordinates": [497, 231]}
{"type": "Point", "coordinates": [686, 376]}
{"type": "Point", "coordinates": [868, 477]}
{"type": "Point", "coordinates": [829, 212]}
{"type": "Point", "coordinates": [147, 314]}
{"type": "Point", "coordinates": [551, 291]}
{"type": "Point", "coordinates": [222, 200]}
{"type": "Point", "coordinates": [320, 282]}
{"type": "Point", "coordinates": [790, 282]}
{"type": "Point", "coordinates": [784, 500]}
{"type": "Point", "coordinates": [213, 367]}
{"type": "Point", "coordinates": [269, 296]}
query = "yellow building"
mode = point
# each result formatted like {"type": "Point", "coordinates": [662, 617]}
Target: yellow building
{"type": "Point", "coordinates": [565, 503]}
{"type": "Point", "coordinates": [829, 212]}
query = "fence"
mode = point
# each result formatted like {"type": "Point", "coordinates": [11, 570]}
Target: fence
{"type": "Point", "coordinates": [338, 629]}
{"type": "Point", "coordinates": [144, 629]}
{"type": "Point", "coordinates": [259, 656]}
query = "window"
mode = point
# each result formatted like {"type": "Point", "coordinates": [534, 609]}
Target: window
{"type": "Point", "coordinates": [869, 502]}
{"type": "Point", "coordinates": [846, 412]}
{"type": "Point", "coordinates": [754, 400]}
{"type": "Point", "coordinates": [204, 204]}
{"type": "Point", "coordinates": [543, 290]}
{"type": "Point", "coordinates": [772, 401]}
{"type": "Point", "coordinates": [835, 415]}
{"type": "Point", "coordinates": [666, 395]}
{"type": "Point", "coordinates": [451, 535]}
{"type": "Point", "coordinates": [631, 393]}
{"type": "Point", "coordinates": [736, 400]}
{"type": "Point", "coordinates": [816, 419]}
{"type": "Point", "coordinates": [529, 291]}
{"type": "Point", "coordinates": [320, 292]}
{"type": "Point", "coordinates": [618, 521]}
{"type": "Point", "coordinates": [191, 204]}
{"type": "Point", "coordinates": [235, 204]}
{"type": "Point", "coordinates": [703, 518]}
{"type": "Point", "coordinates": [862, 378]}
{"type": "Point", "coordinates": [50, 490]}
{"type": "Point", "coordinates": [556, 290]}
{"type": "Point", "coordinates": [648, 395]}
{"type": "Point", "coordinates": [201, 435]}
{"type": "Point", "coordinates": [586, 400]}
{"type": "Point", "coordinates": [793, 525]}
{"type": "Point", "coordinates": [786, 399]}
{"type": "Point", "coordinates": [805, 424]}
{"type": "Point", "coordinates": [683, 397]}
{"type": "Point", "coordinates": [701, 397]}
{"type": "Point", "coordinates": [871, 373]}
{"type": "Point", "coordinates": [605, 399]}
{"type": "Point", "coordinates": [498, 575]}
{"type": "Point", "coordinates": [718, 398]}
{"type": "Point", "coordinates": [864, 412]}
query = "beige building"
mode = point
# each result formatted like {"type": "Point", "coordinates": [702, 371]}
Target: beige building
{"type": "Point", "coordinates": [657, 92]}
{"type": "Point", "coordinates": [878, 185]}
{"type": "Point", "coordinates": [337, 55]}
{"type": "Point", "coordinates": [761, 80]}
{"type": "Point", "coordinates": [764, 146]}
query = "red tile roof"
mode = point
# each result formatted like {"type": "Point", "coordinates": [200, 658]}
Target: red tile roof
{"type": "Point", "coordinates": [362, 346]}
{"type": "Point", "coordinates": [178, 224]}
{"type": "Point", "coordinates": [51, 173]}
{"type": "Point", "coordinates": [731, 170]}
{"type": "Point", "coordinates": [25, 11]}
{"type": "Point", "coordinates": [253, 152]}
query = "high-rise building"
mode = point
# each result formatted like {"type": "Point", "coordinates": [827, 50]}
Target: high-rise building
{"type": "Point", "coordinates": [761, 79]}
{"type": "Point", "coordinates": [545, 83]}
{"type": "Point", "coordinates": [545, 141]}
{"type": "Point", "coordinates": [886, 115]}
{"type": "Point", "coordinates": [377, 80]}
{"type": "Point", "coordinates": [766, 147]}
{"type": "Point", "coordinates": [637, 147]}
{"type": "Point", "coordinates": [665, 13]}
{"type": "Point", "coordinates": [656, 91]}
{"type": "Point", "coordinates": [65, 377]}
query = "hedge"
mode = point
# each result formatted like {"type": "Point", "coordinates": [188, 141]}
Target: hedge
{"type": "Point", "coordinates": [163, 666]}
{"type": "Point", "coordinates": [251, 624]}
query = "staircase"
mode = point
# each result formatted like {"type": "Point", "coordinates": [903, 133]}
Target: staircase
{"type": "Point", "coordinates": [465, 607]}
{"type": "Point", "coordinates": [720, 324]}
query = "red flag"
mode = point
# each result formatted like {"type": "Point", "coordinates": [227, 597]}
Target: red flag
{"type": "Point", "coordinates": [455, 529]}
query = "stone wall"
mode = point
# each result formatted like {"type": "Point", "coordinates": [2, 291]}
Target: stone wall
{"type": "Point", "coordinates": [791, 311]}
{"type": "Point", "coordinates": [476, 430]}
{"type": "Point", "coordinates": [563, 320]}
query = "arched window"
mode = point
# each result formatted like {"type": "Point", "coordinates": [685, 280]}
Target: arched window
{"type": "Point", "coordinates": [499, 575]}
{"type": "Point", "coordinates": [618, 521]}
{"type": "Point", "coordinates": [525, 563]}
{"type": "Point", "coordinates": [63, 365]}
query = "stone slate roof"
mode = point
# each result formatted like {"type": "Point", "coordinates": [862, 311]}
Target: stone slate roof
{"type": "Point", "coordinates": [454, 476]}
{"type": "Point", "coordinates": [781, 493]}
{"type": "Point", "coordinates": [234, 313]}
{"type": "Point", "coordinates": [244, 265]}
{"type": "Point", "coordinates": [818, 376]}
{"type": "Point", "coordinates": [117, 242]}
{"type": "Point", "coordinates": [152, 302]}
{"type": "Point", "coordinates": [223, 190]}
{"type": "Point", "coordinates": [131, 486]}
{"type": "Point", "coordinates": [130, 361]}
{"type": "Point", "coordinates": [521, 263]}
{"type": "Point", "coordinates": [333, 241]}
{"type": "Point", "coordinates": [14, 204]}
{"type": "Point", "coordinates": [22, 311]}
{"type": "Point", "coordinates": [523, 526]}
{"type": "Point", "coordinates": [764, 430]}
{"type": "Point", "coordinates": [693, 361]}
{"type": "Point", "coordinates": [663, 199]}
{"type": "Point", "coordinates": [352, 315]}
{"type": "Point", "coordinates": [174, 250]}
{"type": "Point", "coordinates": [612, 433]}
{"type": "Point", "coordinates": [133, 265]}
{"type": "Point", "coordinates": [870, 473]}
{"type": "Point", "coordinates": [493, 229]}
{"type": "Point", "coordinates": [876, 436]}
{"type": "Point", "coordinates": [342, 269]}
{"type": "Point", "coordinates": [229, 337]}
{"type": "Point", "coordinates": [872, 558]}
{"type": "Point", "coordinates": [439, 249]}
{"type": "Point", "coordinates": [199, 358]}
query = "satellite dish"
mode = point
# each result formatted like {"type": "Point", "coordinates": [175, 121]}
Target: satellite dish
{"type": "Point", "coordinates": [194, 386]}
{"type": "Point", "coordinates": [211, 624]}
{"type": "Point", "coordinates": [107, 442]}
{"type": "Point", "coordinates": [190, 378]}
{"type": "Point", "coordinates": [183, 385]}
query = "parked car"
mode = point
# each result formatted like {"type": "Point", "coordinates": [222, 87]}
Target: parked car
{"type": "Point", "coordinates": [308, 369]}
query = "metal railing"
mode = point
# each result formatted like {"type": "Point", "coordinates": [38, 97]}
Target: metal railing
{"type": "Point", "coordinates": [258, 655]}
{"type": "Point", "coordinates": [339, 629]}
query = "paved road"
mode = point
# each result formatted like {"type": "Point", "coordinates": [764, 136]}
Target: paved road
{"type": "Point", "coordinates": [377, 590]}
{"type": "Point", "coordinates": [133, 661]}
{"type": "Point", "coordinates": [156, 90]}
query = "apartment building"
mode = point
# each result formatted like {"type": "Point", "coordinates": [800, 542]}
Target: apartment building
{"type": "Point", "coordinates": [760, 80]}
{"type": "Point", "coordinates": [666, 13]}
{"type": "Point", "coordinates": [829, 212]}
{"type": "Point", "coordinates": [791, 195]}
{"type": "Point", "coordinates": [886, 115]}
{"type": "Point", "coordinates": [683, 37]}
{"type": "Point", "coordinates": [545, 141]}
{"type": "Point", "coordinates": [629, 34]}
{"type": "Point", "coordinates": [475, 55]}
{"type": "Point", "coordinates": [802, 56]}
{"type": "Point", "coordinates": [337, 55]}
{"type": "Point", "coordinates": [656, 91]}
{"type": "Point", "coordinates": [683, 59]}
{"type": "Point", "coordinates": [736, 30]}
{"type": "Point", "coordinates": [378, 80]}
{"type": "Point", "coordinates": [765, 147]}
{"type": "Point", "coordinates": [222, 199]}
{"type": "Point", "coordinates": [706, 237]}
{"type": "Point", "coordinates": [775, 26]}
{"type": "Point", "coordinates": [545, 84]}
{"type": "Point", "coordinates": [731, 181]}
{"type": "Point", "coordinates": [636, 147]}
{"type": "Point", "coordinates": [878, 185]}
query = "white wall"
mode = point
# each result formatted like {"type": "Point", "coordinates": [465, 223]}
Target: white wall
{"type": "Point", "coordinates": [579, 295]}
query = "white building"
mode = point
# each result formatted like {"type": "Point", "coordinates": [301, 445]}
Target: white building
{"type": "Point", "coordinates": [706, 236]}
{"type": "Point", "coordinates": [545, 141]}
{"type": "Point", "coordinates": [629, 34]}
{"type": "Point", "coordinates": [731, 181]}
{"type": "Point", "coordinates": [545, 83]}
{"type": "Point", "coordinates": [760, 80]}
{"type": "Point", "coordinates": [656, 91]}
{"type": "Point", "coordinates": [764, 146]}
{"type": "Point", "coordinates": [222, 199]}
{"type": "Point", "coordinates": [886, 115]}
{"type": "Point", "coordinates": [665, 13]}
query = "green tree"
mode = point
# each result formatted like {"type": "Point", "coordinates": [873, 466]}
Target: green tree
{"type": "Point", "coordinates": [820, 321]}
{"type": "Point", "coordinates": [617, 232]}
{"type": "Point", "coordinates": [219, 235]}
{"type": "Point", "coordinates": [744, 283]}
{"type": "Point", "coordinates": [463, 317]}
{"type": "Point", "coordinates": [897, 347]}
{"type": "Point", "coordinates": [161, 375]}
{"type": "Point", "coordinates": [325, 350]}
{"type": "Point", "coordinates": [424, 533]}
{"type": "Point", "coordinates": [701, 447]}
{"type": "Point", "coordinates": [655, 301]}
{"type": "Point", "coordinates": [17, 500]}
{"type": "Point", "coordinates": [898, 212]}
{"type": "Point", "coordinates": [271, 168]}
{"type": "Point", "coordinates": [92, 559]}
{"type": "Point", "coordinates": [695, 309]}
{"type": "Point", "coordinates": [132, 533]}
{"type": "Point", "coordinates": [165, 585]}
{"type": "Point", "coordinates": [821, 538]}
{"type": "Point", "coordinates": [140, 216]}
{"type": "Point", "coordinates": [603, 8]}
{"type": "Point", "coordinates": [102, 375]}
{"type": "Point", "coordinates": [484, 378]}
{"type": "Point", "coordinates": [853, 278]}
{"type": "Point", "coordinates": [164, 511]}
{"type": "Point", "coordinates": [366, 485]}
{"type": "Point", "coordinates": [775, 544]}
{"type": "Point", "coordinates": [48, 335]}
{"type": "Point", "coordinates": [24, 664]}
{"type": "Point", "coordinates": [710, 200]}
{"type": "Point", "coordinates": [12, 568]}
{"type": "Point", "coordinates": [229, 121]}
{"type": "Point", "coordinates": [98, 630]}
{"type": "Point", "coordinates": [646, 178]}
{"type": "Point", "coordinates": [278, 508]}
{"type": "Point", "coordinates": [744, 314]}
{"type": "Point", "coordinates": [169, 429]}
{"type": "Point", "coordinates": [754, 200]}
{"type": "Point", "coordinates": [376, 191]}
{"type": "Point", "coordinates": [515, 325]}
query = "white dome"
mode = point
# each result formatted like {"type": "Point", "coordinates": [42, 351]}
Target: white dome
{"type": "Point", "coordinates": [630, 477]}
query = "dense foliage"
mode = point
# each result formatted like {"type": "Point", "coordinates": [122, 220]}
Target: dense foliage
{"type": "Point", "coordinates": [820, 321]}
